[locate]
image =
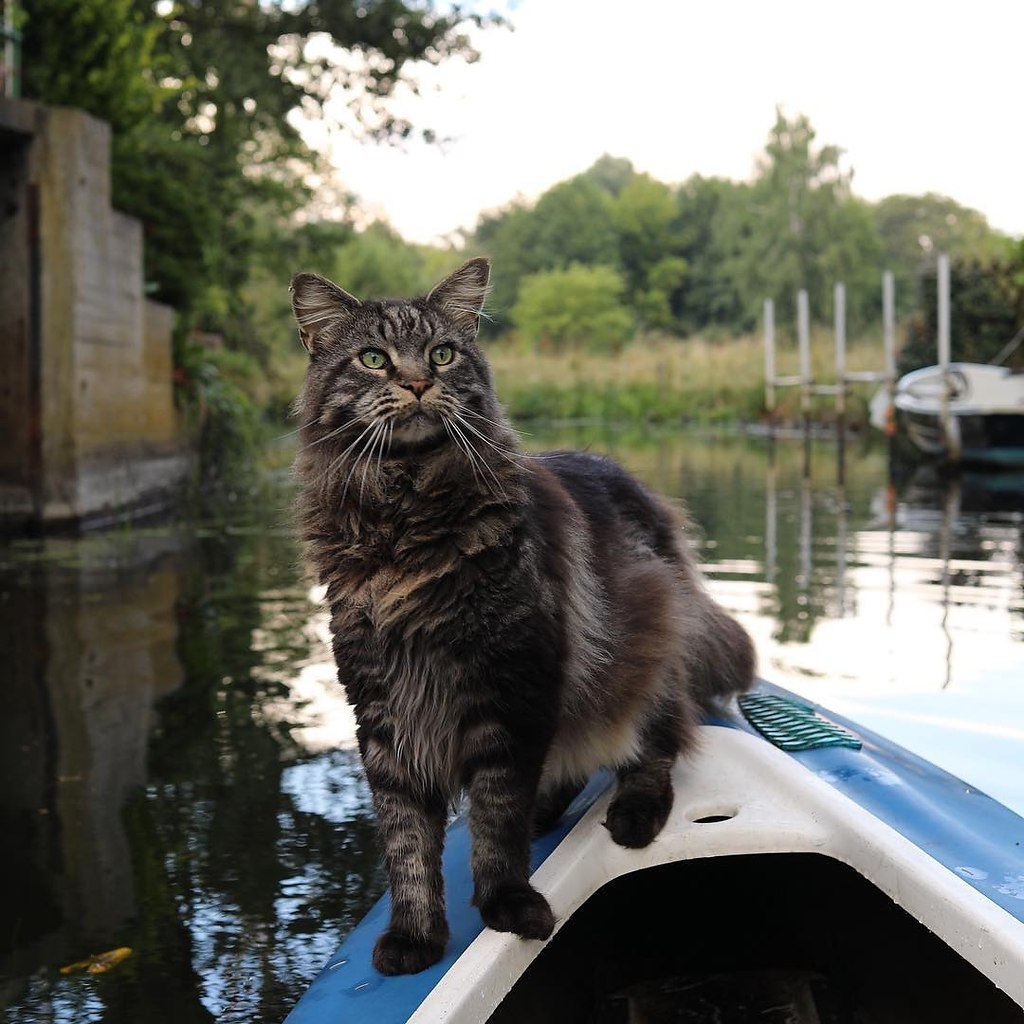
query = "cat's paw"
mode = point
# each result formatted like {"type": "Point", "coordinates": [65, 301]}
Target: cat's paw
{"type": "Point", "coordinates": [519, 909]}
{"type": "Point", "coordinates": [634, 819]}
{"type": "Point", "coordinates": [397, 952]}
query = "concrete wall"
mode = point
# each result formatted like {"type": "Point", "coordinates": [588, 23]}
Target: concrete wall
{"type": "Point", "coordinates": [108, 438]}
{"type": "Point", "coordinates": [19, 414]}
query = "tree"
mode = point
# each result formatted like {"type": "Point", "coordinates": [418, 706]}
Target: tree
{"type": "Point", "coordinates": [915, 229]}
{"type": "Point", "coordinates": [97, 55]}
{"type": "Point", "coordinates": [644, 215]}
{"type": "Point", "coordinates": [577, 307]}
{"type": "Point", "coordinates": [714, 225]}
{"type": "Point", "coordinates": [806, 228]}
{"type": "Point", "coordinates": [986, 312]}
{"type": "Point", "coordinates": [570, 223]}
{"type": "Point", "coordinates": [574, 225]}
{"type": "Point", "coordinates": [204, 97]}
{"type": "Point", "coordinates": [511, 237]}
{"type": "Point", "coordinates": [611, 174]}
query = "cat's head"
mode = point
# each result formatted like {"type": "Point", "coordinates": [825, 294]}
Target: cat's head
{"type": "Point", "coordinates": [406, 373]}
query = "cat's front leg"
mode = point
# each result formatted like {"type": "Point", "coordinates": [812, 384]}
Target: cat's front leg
{"type": "Point", "coordinates": [411, 826]}
{"type": "Point", "coordinates": [502, 785]}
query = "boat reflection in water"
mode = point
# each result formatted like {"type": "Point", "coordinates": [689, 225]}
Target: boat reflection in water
{"type": "Point", "coordinates": [914, 605]}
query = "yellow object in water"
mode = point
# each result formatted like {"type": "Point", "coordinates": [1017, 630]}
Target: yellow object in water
{"type": "Point", "coordinates": [99, 963]}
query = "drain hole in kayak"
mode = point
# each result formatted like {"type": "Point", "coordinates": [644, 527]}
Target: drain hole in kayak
{"type": "Point", "coordinates": [709, 814]}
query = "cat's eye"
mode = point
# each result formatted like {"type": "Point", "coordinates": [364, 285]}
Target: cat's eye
{"type": "Point", "coordinates": [373, 359]}
{"type": "Point", "coordinates": [442, 355]}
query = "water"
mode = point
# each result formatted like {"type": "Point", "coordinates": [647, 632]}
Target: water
{"type": "Point", "coordinates": [178, 772]}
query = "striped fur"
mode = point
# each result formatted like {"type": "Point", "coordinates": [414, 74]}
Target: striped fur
{"type": "Point", "coordinates": [503, 624]}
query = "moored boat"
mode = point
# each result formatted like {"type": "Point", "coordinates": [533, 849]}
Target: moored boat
{"type": "Point", "coordinates": [965, 412]}
{"type": "Point", "coordinates": [810, 869]}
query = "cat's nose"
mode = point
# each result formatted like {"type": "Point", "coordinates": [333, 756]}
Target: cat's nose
{"type": "Point", "coordinates": [417, 387]}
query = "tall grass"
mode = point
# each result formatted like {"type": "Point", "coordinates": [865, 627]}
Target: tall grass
{"type": "Point", "coordinates": [662, 379]}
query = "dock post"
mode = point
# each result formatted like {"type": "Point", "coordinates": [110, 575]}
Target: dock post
{"type": "Point", "coordinates": [803, 328]}
{"type": "Point", "coordinates": [769, 361]}
{"type": "Point", "coordinates": [951, 435]}
{"type": "Point", "coordinates": [840, 339]}
{"type": "Point", "coordinates": [889, 342]}
{"type": "Point", "coordinates": [803, 331]}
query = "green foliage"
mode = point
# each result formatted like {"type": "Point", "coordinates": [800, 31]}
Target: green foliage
{"type": "Point", "coordinates": [94, 54]}
{"type": "Point", "coordinates": [215, 390]}
{"type": "Point", "coordinates": [807, 229]}
{"type": "Point", "coordinates": [571, 223]}
{"type": "Point", "coordinates": [644, 215]}
{"type": "Point", "coordinates": [611, 174]}
{"type": "Point", "coordinates": [200, 95]}
{"type": "Point", "coordinates": [378, 262]}
{"type": "Point", "coordinates": [915, 229]}
{"type": "Point", "coordinates": [703, 255]}
{"type": "Point", "coordinates": [986, 312]}
{"type": "Point", "coordinates": [714, 222]}
{"type": "Point", "coordinates": [576, 307]}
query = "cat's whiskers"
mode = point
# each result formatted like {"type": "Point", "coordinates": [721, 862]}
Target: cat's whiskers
{"type": "Point", "coordinates": [458, 444]}
{"type": "Point", "coordinates": [387, 444]}
{"type": "Point", "coordinates": [495, 423]}
{"type": "Point", "coordinates": [330, 434]}
{"type": "Point", "coordinates": [474, 455]}
{"type": "Point", "coordinates": [509, 454]}
{"type": "Point", "coordinates": [508, 426]}
{"type": "Point", "coordinates": [329, 472]}
{"type": "Point", "coordinates": [378, 435]}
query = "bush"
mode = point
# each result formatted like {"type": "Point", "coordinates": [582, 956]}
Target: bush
{"type": "Point", "coordinates": [579, 307]}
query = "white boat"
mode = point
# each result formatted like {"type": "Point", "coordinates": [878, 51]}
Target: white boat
{"type": "Point", "coordinates": [983, 418]}
{"type": "Point", "coordinates": [810, 872]}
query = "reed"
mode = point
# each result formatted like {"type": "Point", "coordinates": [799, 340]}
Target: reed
{"type": "Point", "coordinates": [662, 379]}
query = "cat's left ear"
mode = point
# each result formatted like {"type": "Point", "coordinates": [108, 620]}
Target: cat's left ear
{"type": "Point", "coordinates": [461, 296]}
{"type": "Point", "coordinates": [318, 304]}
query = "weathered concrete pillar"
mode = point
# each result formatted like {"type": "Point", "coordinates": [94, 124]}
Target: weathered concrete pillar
{"type": "Point", "coordinates": [85, 357]}
{"type": "Point", "coordinates": [19, 411]}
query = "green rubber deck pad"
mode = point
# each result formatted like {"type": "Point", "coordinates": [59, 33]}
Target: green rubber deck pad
{"type": "Point", "coordinates": [791, 725]}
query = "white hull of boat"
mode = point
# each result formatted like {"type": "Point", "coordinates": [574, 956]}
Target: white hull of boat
{"type": "Point", "coordinates": [743, 796]}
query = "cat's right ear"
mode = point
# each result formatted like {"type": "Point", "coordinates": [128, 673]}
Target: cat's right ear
{"type": "Point", "coordinates": [318, 304]}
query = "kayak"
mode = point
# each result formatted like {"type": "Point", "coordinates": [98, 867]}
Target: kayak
{"type": "Point", "coordinates": [810, 872]}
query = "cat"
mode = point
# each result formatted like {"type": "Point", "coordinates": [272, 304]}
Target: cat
{"type": "Point", "coordinates": [503, 624]}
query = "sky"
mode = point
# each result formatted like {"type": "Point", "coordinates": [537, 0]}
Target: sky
{"type": "Point", "coordinates": [922, 97]}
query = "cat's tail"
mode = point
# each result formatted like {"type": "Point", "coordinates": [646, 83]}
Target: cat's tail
{"type": "Point", "coordinates": [719, 656]}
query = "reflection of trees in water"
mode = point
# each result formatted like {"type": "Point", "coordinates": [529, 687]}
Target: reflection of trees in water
{"type": "Point", "coordinates": [265, 876]}
{"type": "Point", "coordinates": [91, 627]}
{"type": "Point", "coordinates": [197, 835]}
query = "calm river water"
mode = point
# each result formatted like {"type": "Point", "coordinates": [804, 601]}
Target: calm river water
{"type": "Point", "coordinates": [178, 774]}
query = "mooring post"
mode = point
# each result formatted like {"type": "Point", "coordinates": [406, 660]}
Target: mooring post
{"type": "Point", "coordinates": [803, 330]}
{"type": "Point", "coordinates": [769, 361]}
{"type": "Point", "coordinates": [889, 343]}
{"type": "Point", "coordinates": [803, 333]}
{"type": "Point", "coordinates": [951, 435]}
{"type": "Point", "coordinates": [840, 338]}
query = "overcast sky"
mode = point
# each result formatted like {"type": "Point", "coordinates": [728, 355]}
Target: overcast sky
{"type": "Point", "coordinates": [923, 97]}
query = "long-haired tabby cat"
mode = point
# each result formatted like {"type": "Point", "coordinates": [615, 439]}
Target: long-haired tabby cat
{"type": "Point", "coordinates": [502, 624]}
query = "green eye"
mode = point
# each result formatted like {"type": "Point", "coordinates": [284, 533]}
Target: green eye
{"type": "Point", "coordinates": [373, 358]}
{"type": "Point", "coordinates": [442, 355]}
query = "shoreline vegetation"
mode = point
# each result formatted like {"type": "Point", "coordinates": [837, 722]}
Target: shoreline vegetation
{"type": "Point", "coordinates": [662, 380]}
{"type": "Point", "coordinates": [615, 295]}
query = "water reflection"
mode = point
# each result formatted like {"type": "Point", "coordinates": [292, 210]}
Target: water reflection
{"type": "Point", "coordinates": [157, 789]}
{"type": "Point", "coordinates": [178, 774]}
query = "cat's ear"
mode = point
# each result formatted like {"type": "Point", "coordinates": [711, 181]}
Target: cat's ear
{"type": "Point", "coordinates": [461, 296]}
{"type": "Point", "coordinates": [317, 304]}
